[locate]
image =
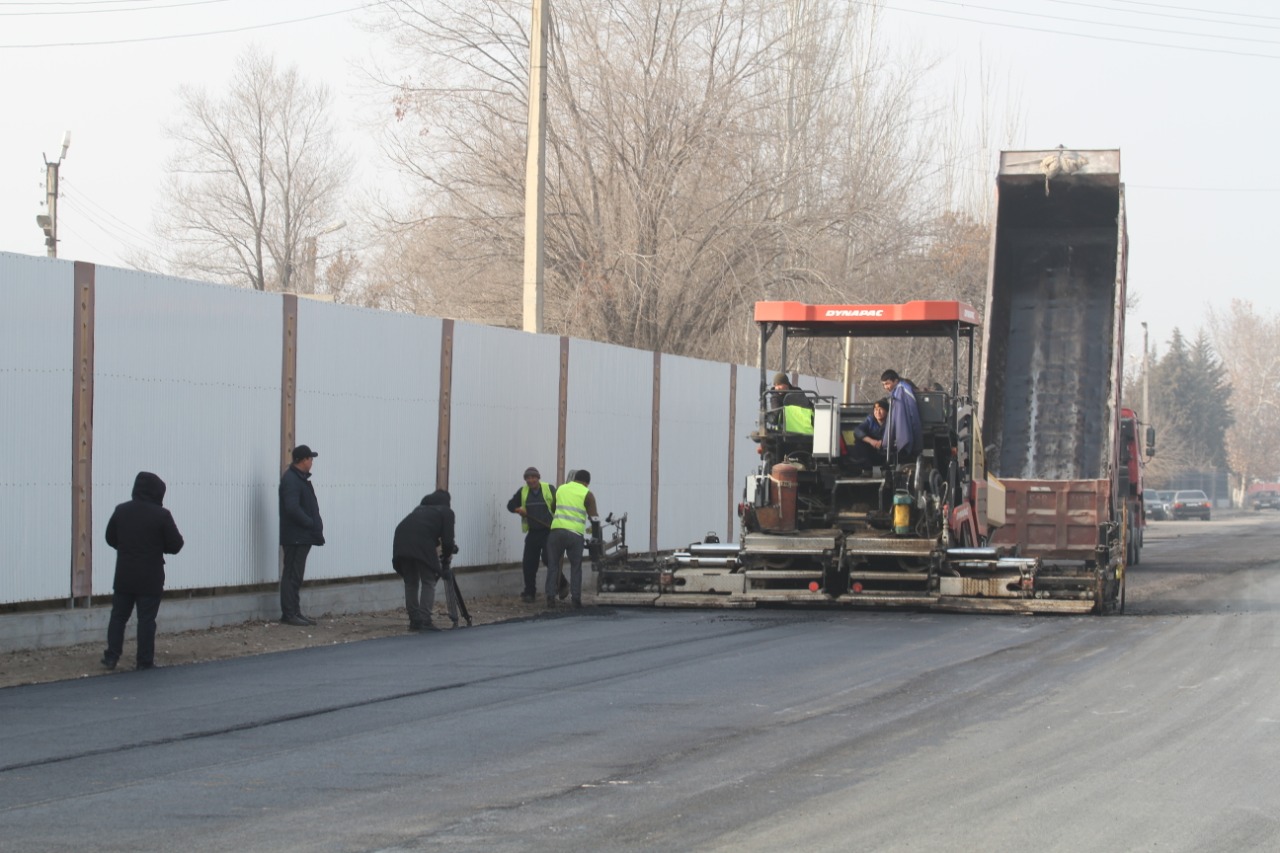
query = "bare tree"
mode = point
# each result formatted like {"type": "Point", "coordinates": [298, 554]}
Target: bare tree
{"type": "Point", "coordinates": [702, 154]}
{"type": "Point", "coordinates": [1246, 342]}
{"type": "Point", "coordinates": [256, 176]}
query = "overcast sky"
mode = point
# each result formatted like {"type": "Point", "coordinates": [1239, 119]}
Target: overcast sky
{"type": "Point", "coordinates": [1185, 88]}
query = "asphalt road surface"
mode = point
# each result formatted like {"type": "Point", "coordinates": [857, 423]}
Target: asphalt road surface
{"type": "Point", "coordinates": [648, 730]}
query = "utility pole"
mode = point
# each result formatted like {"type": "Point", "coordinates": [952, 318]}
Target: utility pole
{"type": "Point", "coordinates": [535, 171]}
{"type": "Point", "coordinates": [1146, 399]}
{"type": "Point", "coordinates": [309, 257]}
{"type": "Point", "coordinates": [48, 222]}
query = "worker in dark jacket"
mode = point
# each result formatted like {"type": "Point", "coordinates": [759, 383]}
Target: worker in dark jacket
{"type": "Point", "coordinates": [903, 432]}
{"type": "Point", "coordinates": [142, 531]}
{"type": "Point", "coordinates": [868, 437]}
{"type": "Point", "coordinates": [420, 540]}
{"type": "Point", "coordinates": [301, 527]}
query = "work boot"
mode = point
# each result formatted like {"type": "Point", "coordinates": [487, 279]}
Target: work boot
{"type": "Point", "coordinates": [577, 604]}
{"type": "Point", "coordinates": [527, 596]}
{"type": "Point", "coordinates": [551, 602]}
{"type": "Point", "coordinates": [296, 621]}
{"type": "Point", "coordinates": [108, 662]}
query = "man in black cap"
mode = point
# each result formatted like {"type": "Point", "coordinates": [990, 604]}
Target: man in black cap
{"type": "Point", "coordinates": [300, 528]}
{"type": "Point", "coordinates": [535, 503]}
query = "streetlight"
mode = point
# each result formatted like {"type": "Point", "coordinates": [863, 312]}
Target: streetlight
{"type": "Point", "coordinates": [48, 222]}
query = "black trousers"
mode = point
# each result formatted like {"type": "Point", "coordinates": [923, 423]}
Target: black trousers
{"type": "Point", "coordinates": [122, 604]}
{"type": "Point", "coordinates": [295, 566]}
{"type": "Point", "coordinates": [420, 579]}
{"type": "Point", "coordinates": [535, 548]}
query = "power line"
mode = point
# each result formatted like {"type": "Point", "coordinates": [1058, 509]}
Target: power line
{"type": "Point", "coordinates": [1252, 24]}
{"type": "Point", "coordinates": [77, 195]}
{"type": "Point", "coordinates": [8, 14]}
{"type": "Point", "coordinates": [1204, 189]}
{"type": "Point", "coordinates": [1206, 11]}
{"type": "Point", "coordinates": [1112, 39]}
{"type": "Point", "coordinates": [69, 2]}
{"type": "Point", "coordinates": [83, 239]}
{"type": "Point", "coordinates": [228, 31]}
{"type": "Point", "coordinates": [115, 236]}
{"type": "Point", "coordinates": [1094, 23]}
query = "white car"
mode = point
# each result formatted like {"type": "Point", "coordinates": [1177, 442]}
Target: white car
{"type": "Point", "coordinates": [1191, 503]}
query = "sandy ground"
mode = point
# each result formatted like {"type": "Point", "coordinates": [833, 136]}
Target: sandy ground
{"type": "Point", "coordinates": [249, 638]}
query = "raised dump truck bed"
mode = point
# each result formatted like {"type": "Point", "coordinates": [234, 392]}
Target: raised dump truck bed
{"type": "Point", "coordinates": [1053, 362]}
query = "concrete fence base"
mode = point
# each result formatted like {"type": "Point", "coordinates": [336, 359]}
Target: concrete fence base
{"type": "Point", "coordinates": [43, 629]}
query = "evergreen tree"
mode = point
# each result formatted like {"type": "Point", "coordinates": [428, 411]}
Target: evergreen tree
{"type": "Point", "coordinates": [1212, 414]}
{"type": "Point", "coordinates": [1190, 403]}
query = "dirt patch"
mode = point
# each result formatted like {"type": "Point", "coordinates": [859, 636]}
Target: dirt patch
{"type": "Point", "coordinates": [249, 638]}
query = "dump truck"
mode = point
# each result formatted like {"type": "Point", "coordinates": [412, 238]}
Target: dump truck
{"type": "Point", "coordinates": [1059, 438]}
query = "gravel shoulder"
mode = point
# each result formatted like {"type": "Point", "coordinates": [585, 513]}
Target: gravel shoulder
{"type": "Point", "coordinates": [37, 666]}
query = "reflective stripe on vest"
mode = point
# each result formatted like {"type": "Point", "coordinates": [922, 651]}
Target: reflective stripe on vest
{"type": "Point", "coordinates": [571, 508]}
{"type": "Point", "coordinates": [524, 497]}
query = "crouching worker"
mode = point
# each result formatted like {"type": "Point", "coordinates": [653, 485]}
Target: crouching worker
{"type": "Point", "coordinates": [142, 531]}
{"type": "Point", "coordinates": [415, 555]}
{"type": "Point", "coordinates": [868, 447]}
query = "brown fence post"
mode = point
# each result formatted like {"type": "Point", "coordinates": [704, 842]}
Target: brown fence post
{"type": "Point", "coordinates": [446, 389]}
{"type": "Point", "coordinates": [733, 416]}
{"type": "Point", "coordinates": [82, 436]}
{"type": "Point", "coordinates": [653, 452]}
{"type": "Point", "coordinates": [562, 429]}
{"type": "Point", "coordinates": [288, 378]}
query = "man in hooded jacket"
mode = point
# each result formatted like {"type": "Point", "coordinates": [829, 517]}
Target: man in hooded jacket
{"type": "Point", "coordinates": [420, 539]}
{"type": "Point", "coordinates": [142, 531]}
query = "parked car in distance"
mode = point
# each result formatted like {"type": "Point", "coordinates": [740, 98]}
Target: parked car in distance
{"type": "Point", "coordinates": [1266, 499]}
{"type": "Point", "coordinates": [1153, 507]}
{"type": "Point", "coordinates": [1191, 503]}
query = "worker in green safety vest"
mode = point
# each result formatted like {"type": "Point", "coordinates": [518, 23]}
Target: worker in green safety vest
{"type": "Point", "coordinates": [797, 408]}
{"type": "Point", "coordinates": [535, 503]}
{"type": "Point", "coordinates": [575, 508]}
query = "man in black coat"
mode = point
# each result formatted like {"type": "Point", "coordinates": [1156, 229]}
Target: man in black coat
{"type": "Point", "coordinates": [142, 531]}
{"type": "Point", "coordinates": [419, 540]}
{"type": "Point", "coordinates": [300, 527]}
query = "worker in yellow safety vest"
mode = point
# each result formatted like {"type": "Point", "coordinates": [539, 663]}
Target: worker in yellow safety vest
{"type": "Point", "coordinates": [797, 409]}
{"type": "Point", "coordinates": [535, 503]}
{"type": "Point", "coordinates": [575, 508]}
